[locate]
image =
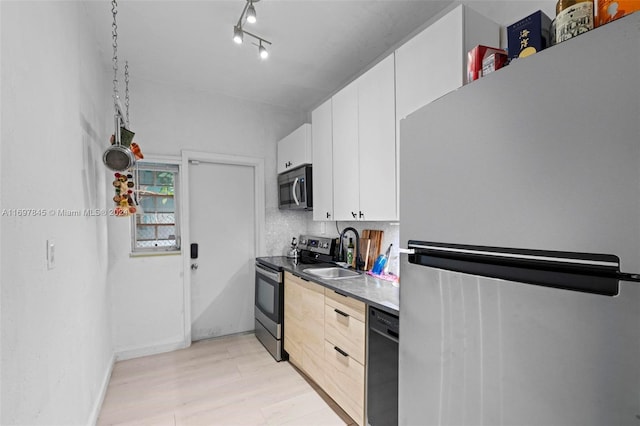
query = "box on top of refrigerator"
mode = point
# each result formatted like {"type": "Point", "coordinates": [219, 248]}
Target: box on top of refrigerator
{"type": "Point", "coordinates": [476, 58]}
{"type": "Point", "coordinates": [529, 35]}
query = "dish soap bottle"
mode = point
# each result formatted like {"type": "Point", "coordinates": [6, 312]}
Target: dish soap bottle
{"type": "Point", "coordinates": [381, 261]}
{"type": "Point", "coordinates": [350, 252]}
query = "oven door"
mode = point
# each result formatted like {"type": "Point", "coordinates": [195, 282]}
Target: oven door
{"type": "Point", "coordinates": [269, 298]}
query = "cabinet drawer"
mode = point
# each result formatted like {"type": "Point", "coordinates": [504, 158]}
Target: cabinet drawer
{"type": "Point", "coordinates": [345, 331]}
{"type": "Point", "coordinates": [344, 382]}
{"type": "Point", "coordinates": [316, 288]}
{"type": "Point", "coordinates": [349, 305]}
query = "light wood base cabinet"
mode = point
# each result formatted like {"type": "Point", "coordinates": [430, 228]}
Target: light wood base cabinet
{"type": "Point", "coordinates": [344, 381]}
{"type": "Point", "coordinates": [344, 324]}
{"type": "Point", "coordinates": [304, 325]}
{"type": "Point", "coordinates": [324, 335]}
{"type": "Point", "coordinates": [345, 355]}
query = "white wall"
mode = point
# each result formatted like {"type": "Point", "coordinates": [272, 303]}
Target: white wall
{"type": "Point", "coordinates": [148, 291]}
{"type": "Point", "coordinates": [56, 112]}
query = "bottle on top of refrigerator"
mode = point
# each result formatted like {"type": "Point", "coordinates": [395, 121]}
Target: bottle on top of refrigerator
{"type": "Point", "coordinates": [573, 17]}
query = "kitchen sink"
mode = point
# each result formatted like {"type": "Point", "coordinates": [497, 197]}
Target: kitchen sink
{"type": "Point", "coordinates": [333, 273]}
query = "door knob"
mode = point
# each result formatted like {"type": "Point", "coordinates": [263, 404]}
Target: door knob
{"type": "Point", "coordinates": [194, 266]}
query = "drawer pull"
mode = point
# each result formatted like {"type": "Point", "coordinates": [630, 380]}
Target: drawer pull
{"type": "Point", "coordinates": [337, 292]}
{"type": "Point", "coordinates": [340, 351]}
{"type": "Point", "coordinates": [344, 314]}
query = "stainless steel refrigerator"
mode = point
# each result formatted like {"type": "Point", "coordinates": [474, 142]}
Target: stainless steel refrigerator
{"type": "Point", "coordinates": [520, 198]}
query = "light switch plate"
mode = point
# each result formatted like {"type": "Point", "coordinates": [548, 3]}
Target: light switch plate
{"type": "Point", "coordinates": [51, 254]}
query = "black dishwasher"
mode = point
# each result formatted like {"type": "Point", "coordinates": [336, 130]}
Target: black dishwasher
{"type": "Point", "coordinates": [382, 375]}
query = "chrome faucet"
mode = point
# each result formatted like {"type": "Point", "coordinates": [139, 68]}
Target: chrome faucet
{"type": "Point", "coordinates": [359, 262]}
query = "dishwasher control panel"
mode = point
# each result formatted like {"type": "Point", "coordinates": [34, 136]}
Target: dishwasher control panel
{"type": "Point", "coordinates": [384, 322]}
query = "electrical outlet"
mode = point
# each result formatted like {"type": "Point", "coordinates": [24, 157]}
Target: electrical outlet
{"type": "Point", "coordinates": [51, 254]}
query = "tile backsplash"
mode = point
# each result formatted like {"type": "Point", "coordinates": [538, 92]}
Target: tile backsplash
{"type": "Point", "coordinates": [391, 235]}
{"type": "Point", "coordinates": [282, 225]}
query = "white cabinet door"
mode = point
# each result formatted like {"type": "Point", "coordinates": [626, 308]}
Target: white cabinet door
{"type": "Point", "coordinates": [346, 191]}
{"type": "Point", "coordinates": [433, 63]}
{"type": "Point", "coordinates": [295, 149]}
{"type": "Point", "coordinates": [364, 147]}
{"type": "Point", "coordinates": [322, 148]}
{"type": "Point", "coordinates": [377, 143]}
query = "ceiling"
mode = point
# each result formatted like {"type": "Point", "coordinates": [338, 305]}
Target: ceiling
{"type": "Point", "coordinates": [318, 45]}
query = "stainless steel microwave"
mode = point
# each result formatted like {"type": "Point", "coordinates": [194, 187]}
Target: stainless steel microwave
{"type": "Point", "coordinates": [294, 189]}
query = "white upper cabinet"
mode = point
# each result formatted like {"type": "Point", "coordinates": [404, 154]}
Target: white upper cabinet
{"type": "Point", "coordinates": [364, 146]}
{"type": "Point", "coordinates": [355, 175]}
{"type": "Point", "coordinates": [295, 149]}
{"type": "Point", "coordinates": [322, 141]}
{"type": "Point", "coordinates": [346, 190]}
{"type": "Point", "coordinates": [434, 62]}
{"type": "Point", "coordinates": [377, 147]}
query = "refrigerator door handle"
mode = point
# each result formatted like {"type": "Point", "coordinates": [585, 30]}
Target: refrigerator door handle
{"type": "Point", "coordinates": [406, 251]}
{"type": "Point", "coordinates": [604, 261]}
{"type": "Point", "coordinates": [585, 272]}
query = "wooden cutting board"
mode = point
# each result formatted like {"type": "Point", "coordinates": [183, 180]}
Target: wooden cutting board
{"type": "Point", "coordinates": [364, 252]}
{"type": "Point", "coordinates": [375, 245]}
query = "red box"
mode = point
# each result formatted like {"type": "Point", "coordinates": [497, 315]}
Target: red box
{"type": "Point", "coordinates": [493, 61]}
{"type": "Point", "coordinates": [477, 55]}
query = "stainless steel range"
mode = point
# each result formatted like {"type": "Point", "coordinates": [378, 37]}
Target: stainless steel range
{"type": "Point", "coordinates": [316, 249]}
{"type": "Point", "coordinates": [269, 306]}
{"type": "Point", "coordinates": [269, 289]}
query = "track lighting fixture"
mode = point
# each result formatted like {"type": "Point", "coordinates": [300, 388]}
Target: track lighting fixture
{"type": "Point", "coordinates": [249, 14]}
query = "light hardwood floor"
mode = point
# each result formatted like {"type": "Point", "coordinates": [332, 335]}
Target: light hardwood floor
{"type": "Point", "coordinates": [231, 380]}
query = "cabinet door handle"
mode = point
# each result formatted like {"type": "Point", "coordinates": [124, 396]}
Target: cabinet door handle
{"type": "Point", "coordinates": [340, 351]}
{"type": "Point", "coordinates": [328, 215]}
{"type": "Point", "coordinates": [361, 215]}
{"type": "Point", "coordinates": [354, 214]}
{"type": "Point", "coordinates": [344, 314]}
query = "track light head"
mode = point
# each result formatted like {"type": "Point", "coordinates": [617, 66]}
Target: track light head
{"type": "Point", "coordinates": [264, 54]}
{"type": "Point", "coordinates": [251, 13]}
{"type": "Point", "coordinates": [237, 34]}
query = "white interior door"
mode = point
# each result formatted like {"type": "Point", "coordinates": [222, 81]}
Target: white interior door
{"type": "Point", "coordinates": [222, 223]}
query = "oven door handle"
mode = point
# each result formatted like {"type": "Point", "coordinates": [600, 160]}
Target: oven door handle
{"type": "Point", "coordinates": [274, 276]}
{"type": "Point", "coordinates": [293, 191]}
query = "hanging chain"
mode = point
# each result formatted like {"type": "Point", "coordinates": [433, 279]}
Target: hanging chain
{"type": "Point", "coordinates": [114, 33]}
{"type": "Point", "coordinates": [126, 90]}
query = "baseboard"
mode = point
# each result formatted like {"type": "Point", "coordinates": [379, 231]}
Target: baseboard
{"type": "Point", "coordinates": [97, 405]}
{"type": "Point", "coordinates": [130, 353]}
